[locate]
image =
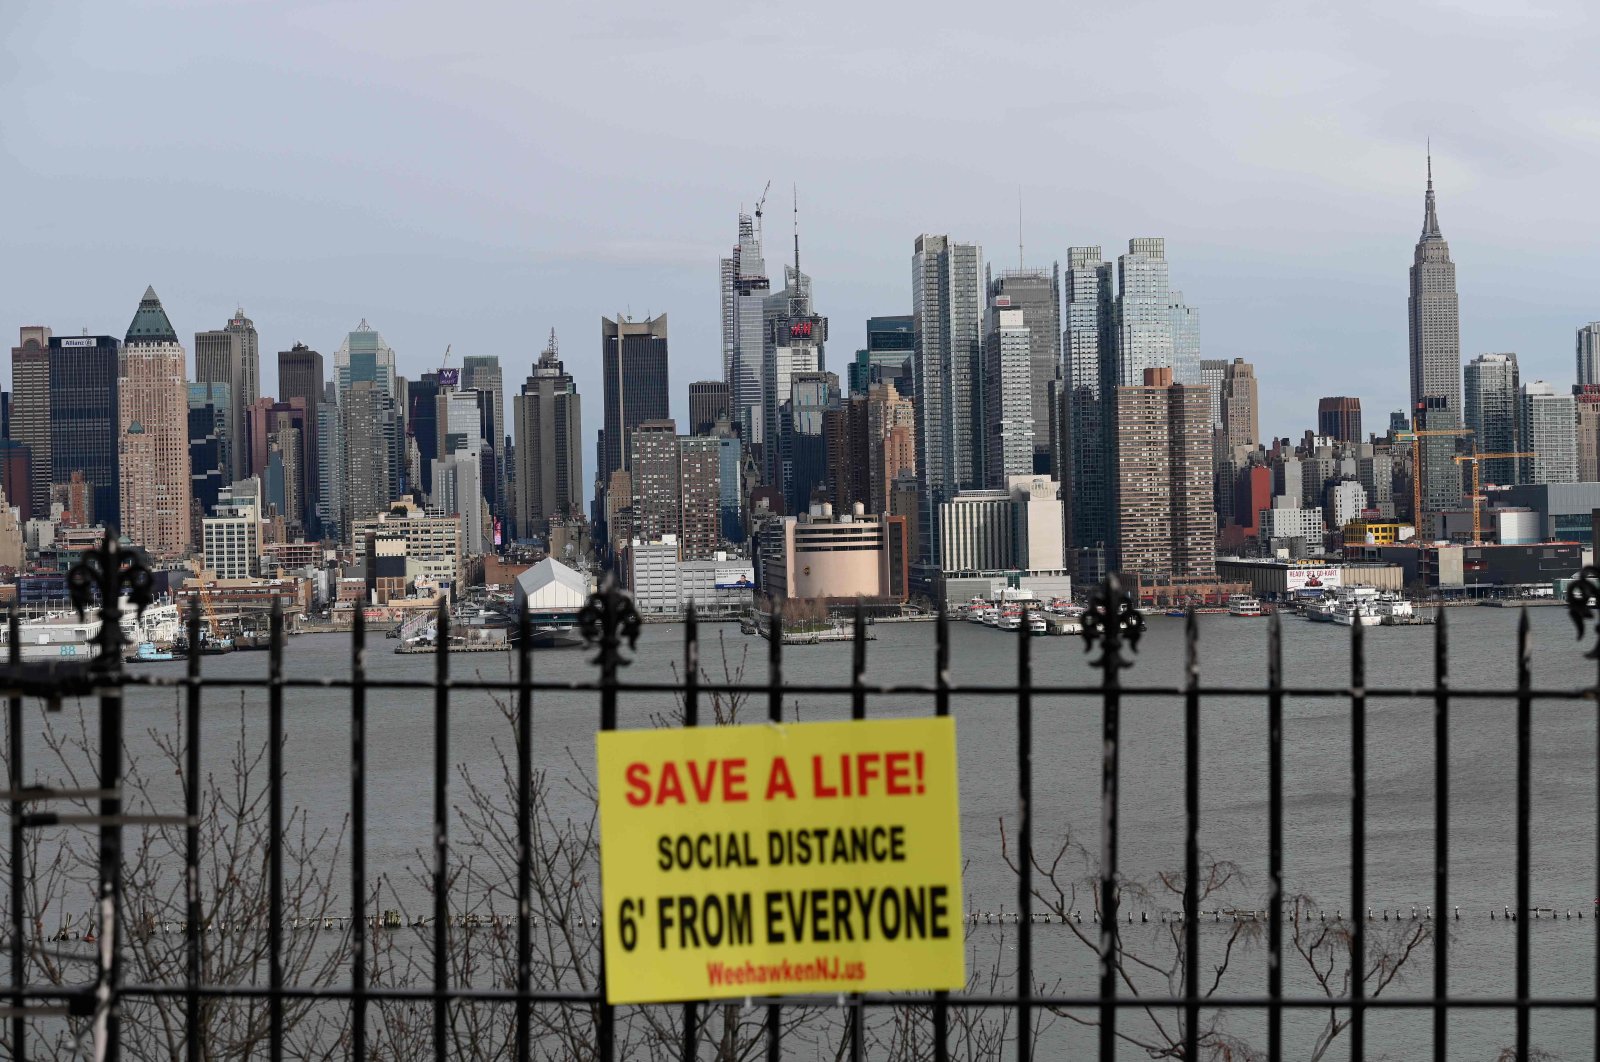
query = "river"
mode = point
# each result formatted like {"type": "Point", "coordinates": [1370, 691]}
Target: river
{"type": "Point", "coordinates": [1067, 781]}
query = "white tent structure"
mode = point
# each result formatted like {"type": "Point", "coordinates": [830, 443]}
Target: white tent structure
{"type": "Point", "coordinates": [551, 586]}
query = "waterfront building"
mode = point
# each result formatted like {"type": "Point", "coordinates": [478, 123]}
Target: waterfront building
{"type": "Point", "coordinates": [231, 539]}
{"type": "Point", "coordinates": [548, 416]}
{"type": "Point", "coordinates": [1089, 382]}
{"type": "Point", "coordinates": [433, 543]}
{"type": "Point", "coordinates": [1549, 431]}
{"type": "Point", "coordinates": [1435, 359]}
{"type": "Point", "coordinates": [744, 287]}
{"type": "Point", "coordinates": [1339, 418]}
{"type": "Point", "coordinates": [219, 362]}
{"type": "Point", "coordinates": [300, 376]}
{"type": "Point", "coordinates": [891, 342]}
{"type": "Point", "coordinates": [708, 404]}
{"type": "Point", "coordinates": [1037, 294]}
{"type": "Point", "coordinates": [1492, 398]}
{"type": "Point", "coordinates": [29, 423]}
{"type": "Point", "coordinates": [1589, 354]}
{"type": "Point", "coordinates": [85, 411]}
{"type": "Point", "coordinates": [947, 322]}
{"type": "Point", "coordinates": [634, 361]}
{"type": "Point", "coordinates": [1164, 523]}
{"type": "Point", "coordinates": [153, 415]}
{"type": "Point", "coordinates": [820, 554]}
{"type": "Point", "coordinates": [1009, 391]}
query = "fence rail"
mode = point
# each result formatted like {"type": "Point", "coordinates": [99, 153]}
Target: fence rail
{"type": "Point", "coordinates": [110, 579]}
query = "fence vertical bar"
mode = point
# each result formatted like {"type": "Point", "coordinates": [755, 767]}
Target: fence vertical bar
{"type": "Point", "coordinates": [19, 878]}
{"type": "Point", "coordinates": [1524, 813]}
{"type": "Point", "coordinates": [691, 718]}
{"type": "Point", "coordinates": [1441, 832]}
{"type": "Point", "coordinates": [607, 619]}
{"type": "Point", "coordinates": [524, 1046]}
{"type": "Point", "coordinates": [358, 843]}
{"type": "Point", "coordinates": [275, 845]}
{"type": "Point", "coordinates": [858, 710]}
{"type": "Point", "coordinates": [1191, 835]}
{"type": "Point", "coordinates": [1358, 842]}
{"type": "Point", "coordinates": [941, 708]}
{"type": "Point", "coordinates": [191, 847]}
{"type": "Point", "coordinates": [1110, 663]}
{"type": "Point", "coordinates": [1275, 834]}
{"type": "Point", "coordinates": [107, 1024]}
{"type": "Point", "coordinates": [774, 715]}
{"type": "Point", "coordinates": [441, 829]}
{"type": "Point", "coordinates": [1025, 838]}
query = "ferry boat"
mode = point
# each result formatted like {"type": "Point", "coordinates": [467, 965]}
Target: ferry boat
{"type": "Point", "coordinates": [1244, 605]}
{"type": "Point", "coordinates": [149, 653]}
{"type": "Point", "coordinates": [1009, 621]}
{"type": "Point", "coordinates": [1354, 605]}
{"type": "Point", "coordinates": [1037, 624]}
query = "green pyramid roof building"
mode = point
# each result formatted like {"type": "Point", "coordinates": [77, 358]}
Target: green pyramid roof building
{"type": "Point", "coordinates": [150, 324]}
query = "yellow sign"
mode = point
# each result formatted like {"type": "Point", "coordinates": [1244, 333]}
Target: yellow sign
{"type": "Point", "coordinates": [781, 859]}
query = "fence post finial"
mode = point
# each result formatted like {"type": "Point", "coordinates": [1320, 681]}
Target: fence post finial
{"type": "Point", "coordinates": [1110, 621]}
{"type": "Point", "coordinates": [1583, 602]}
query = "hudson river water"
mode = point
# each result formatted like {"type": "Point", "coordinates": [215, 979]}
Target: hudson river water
{"type": "Point", "coordinates": [1067, 780]}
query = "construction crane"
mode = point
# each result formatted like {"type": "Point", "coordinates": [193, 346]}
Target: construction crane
{"type": "Point", "coordinates": [1416, 466]}
{"type": "Point", "coordinates": [1477, 497]}
{"type": "Point", "coordinates": [759, 204]}
{"type": "Point", "coordinates": [205, 600]}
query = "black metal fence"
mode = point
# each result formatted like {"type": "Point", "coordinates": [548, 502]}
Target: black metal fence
{"type": "Point", "coordinates": [112, 580]}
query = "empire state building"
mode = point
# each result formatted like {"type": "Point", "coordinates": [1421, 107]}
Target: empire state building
{"type": "Point", "coordinates": [1435, 362]}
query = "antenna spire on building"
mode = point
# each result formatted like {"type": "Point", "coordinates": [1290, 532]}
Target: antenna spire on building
{"type": "Point", "coordinates": [794, 192]}
{"type": "Point", "coordinates": [1021, 263]}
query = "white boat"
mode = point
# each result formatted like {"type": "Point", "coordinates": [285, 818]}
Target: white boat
{"type": "Point", "coordinates": [1319, 611]}
{"type": "Point", "coordinates": [1244, 605]}
{"type": "Point", "coordinates": [1393, 606]}
{"type": "Point", "coordinates": [1356, 605]}
{"type": "Point", "coordinates": [1009, 621]}
{"type": "Point", "coordinates": [1037, 624]}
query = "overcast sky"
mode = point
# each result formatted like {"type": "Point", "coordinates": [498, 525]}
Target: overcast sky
{"type": "Point", "coordinates": [476, 174]}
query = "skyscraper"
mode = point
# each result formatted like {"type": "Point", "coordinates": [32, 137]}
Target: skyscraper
{"type": "Point", "coordinates": [1236, 426]}
{"type": "Point", "coordinates": [331, 508]}
{"type": "Point", "coordinates": [84, 419]}
{"type": "Point", "coordinates": [1550, 432]}
{"type": "Point", "coordinates": [700, 493]}
{"type": "Point", "coordinates": [634, 360]}
{"type": "Point", "coordinates": [548, 416]}
{"type": "Point", "coordinates": [1339, 417]}
{"type": "Point", "coordinates": [1144, 312]}
{"type": "Point", "coordinates": [249, 354]}
{"type": "Point", "coordinates": [153, 415]}
{"type": "Point", "coordinates": [364, 356]}
{"type": "Point", "coordinates": [300, 376]}
{"type": "Point", "coordinates": [657, 483]}
{"type": "Point", "coordinates": [1008, 393]}
{"type": "Point", "coordinates": [219, 359]}
{"type": "Point", "coordinates": [947, 319]}
{"type": "Point", "coordinates": [802, 441]}
{"type": "Point", "coordinates": [1435, 335]}
{"type": "Point", "coordinates": [1165, 527]}
{"type": "Point", "coordinates": [30, 410]}
{"type": "Point", "coordinates": [744, 289]}
{"type": "Point", "coordinates": [1089, 378]}
{"type": "Point", "coordinates": [891, 341]}
{"type": "Point", "coordinates": [1587, 399]}
{"type": "Point", "coordinates": [1037, 293]}
{"type": "Point", "coordinates": [481, 373]}
{"type": "Point", "coordinates": [792, 343]}
{"type": "Point", "coordinates": [369, 431]}
{"type": "Point", "coordinates": [1185, 324]}
{"type": "Point", "coordinates": [1589, 354]}
{"type": "Point", "coordinates": [1492, 397]}
{"type": "Point", "coordinates": [422, 422]}
{"type": "Point", "coordinates": [708, 403]}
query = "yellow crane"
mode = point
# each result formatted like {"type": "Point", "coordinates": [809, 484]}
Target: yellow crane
{"type": "Point", "coordinates": [205, 599]}
{"type": "Point", "coordinates": [1416, 466]}
{"type": "Point", "coordinates": [1477, 496]}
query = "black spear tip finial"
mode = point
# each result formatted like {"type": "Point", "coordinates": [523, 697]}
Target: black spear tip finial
{"type": "Point", "coordinates": [1583, 603]}
{"type": "Point", "coordinates": [105, 571]}
{"type": "Point", "coordinates": [609, 618]}
{"type": "Point", "coordinates": [1111, 621]}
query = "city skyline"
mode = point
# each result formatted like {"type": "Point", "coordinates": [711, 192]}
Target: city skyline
{"type": "Point", "coordinates": [1306, 197]}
